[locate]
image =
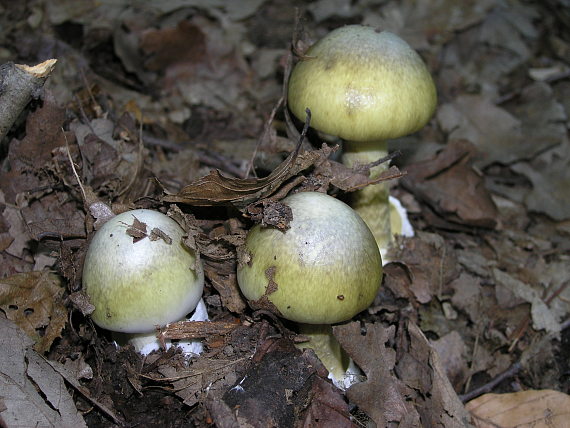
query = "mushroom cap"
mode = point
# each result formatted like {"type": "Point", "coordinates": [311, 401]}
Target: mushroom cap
{"type": "Point", "coordinates": [137, 284]}
{"type": "Point", "coordinates": [362, 85]}
{"type": "Point", "coordinates": [324, 269]}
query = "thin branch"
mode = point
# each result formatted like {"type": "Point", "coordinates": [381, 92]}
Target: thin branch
{"type": "Point", "coordinates": [489, 386]}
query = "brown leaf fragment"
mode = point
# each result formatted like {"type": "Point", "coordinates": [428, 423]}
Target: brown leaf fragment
{"type": "Point", "coordinates": [203, 376]}
{"type": "Point", "coordinates": [5, 238]}
{"type": "Point", "coordinates": [452, 351]}
{"type": "Point", "coordinates": [72, 379]}
{"type": "Point", "coordinates": [329, 172]}
{"type": "Point", "coordinates": [420, 368]}
{"type": "Point", "coordinates": [216, 189]}
{"type": "Point", "coordinates": [227, 287]}
{"type": "Point", "coordinates": [382, 396]}
{"type": "Point", "coordinates": [33, 301]}
{"type": "Point", "coordinates": [429, 262]}
{"type": "Point", "coordinates": [81, 301]}
{"type": "Point", "coordinates": [33, 393]}
{"type": "Point", "coordinates": [327, 408]}
{"type": "Point", "coordinates": [98, 210]}
{"type": "Point", "coordinates": [350, 180]}
{"type": "Point", "coordinates": [452, 188]}
{"type": "Point", "coordinates": [271, 213]}
{"type": "Point", "coordinates": [156, 234]}
{"type": "Point", "coordinates": [168, 46]}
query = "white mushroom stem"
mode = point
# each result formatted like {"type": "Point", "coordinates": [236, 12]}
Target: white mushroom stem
{"type": "Point", "coordinates": [371, 203]}
{"type": "Point", "coordinates": [145, 343]}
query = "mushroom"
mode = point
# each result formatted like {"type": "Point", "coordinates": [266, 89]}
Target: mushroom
{"type": "Point", "coordinates": [139, 275]}
{"type": "Point", "coordinates": [365, 86]}
{"type": "Point", "coordinates": [324, 269]}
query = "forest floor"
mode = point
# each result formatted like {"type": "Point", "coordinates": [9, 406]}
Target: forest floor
{"type": "Point", "coordinates": [149, 97]}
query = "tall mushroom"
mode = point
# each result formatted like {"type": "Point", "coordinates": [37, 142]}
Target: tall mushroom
{"type": "Point", "coordinates": [139, 275]}
{"type": "Point", "coordinates": [324, 269]}
{"type": "Point", "coordinates": [365, 86]}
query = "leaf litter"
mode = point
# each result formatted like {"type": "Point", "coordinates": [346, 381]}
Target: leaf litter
{"type": "Point", "coordinates": [485, 277]}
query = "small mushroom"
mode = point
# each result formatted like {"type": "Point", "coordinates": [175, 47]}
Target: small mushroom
{"type": "Point", "coordinates": [324, 269]}
{"type": "Point", "coordinates": [365, 86]}
{"type": "Point", "coordinates": [139, 275]}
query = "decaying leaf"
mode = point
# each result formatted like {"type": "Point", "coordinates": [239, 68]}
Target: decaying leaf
{"type": "Point", "coordinates": [524, 409]}
{"type": "Point", "coordinates": [412, 389]}
{"type": "Point", "coordinates": [452, 351]}
{"type": "Point", "coordinates": [550, 177]}
{"type": "Point", "coordinates": [33, 393]}
{"type": "Point", "coordinates": [451, 186]}
{"type": "Point", "coordinates": [191, 383]}
{"type": "Point", "coordinates": [216, 189]}
{"type": "Point", "coordinates": [382, 396]}
{"type": "Point", "coordinates": [227, 287]}
{"type": "Point", "coordinates": [196, 329]}
{"type": "Point", "coordinates": [542, 317]}
{"type": "Point", "coordinates": [421, 369]}
{"type": "Point", "coordinates": [33, 301]}
{"type": "Point", "coordinates": [430, 265]}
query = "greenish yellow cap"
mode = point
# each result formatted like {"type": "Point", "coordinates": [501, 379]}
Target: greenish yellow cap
{"type": "Point", "coordinates": [362, 84]}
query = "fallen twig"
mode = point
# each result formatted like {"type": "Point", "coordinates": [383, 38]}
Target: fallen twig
{"type": "Point", "coordinates": [20, 83]}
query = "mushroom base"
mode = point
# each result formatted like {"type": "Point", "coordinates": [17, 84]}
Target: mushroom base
{"type": "Point", "coordinates": [145, 343]}
{"type": "Point", "coordinates": [342, 370]}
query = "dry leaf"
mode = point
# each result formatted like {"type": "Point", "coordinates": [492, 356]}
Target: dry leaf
{"type": "Point", "coordinates": [33, 301]}
{"type": "Point", "coordinates": [215, 189]}
{"type": "Point", "coordinates": [550, 177]}
{"type": "Point", "coordinates": [33, 394]}
{"type": "Point", "coordinates": [452, 351]}
{"type": "Point", "coordinates": [525, 409]}
{"type": "Point", "coordinates": [227, 287]}
{"type": "Point", "coordinates": [430, 264]}
{"type": "Point", "coordinates": [451, 186]}
{"type": "Point", "coordinates": [542, 316]}
{"type": "Point", "coordinates": [204, 374]}
{"type": "Point", "coordinates": [382, 396]}
{"type": "Point", "coordinates": [412, 389]}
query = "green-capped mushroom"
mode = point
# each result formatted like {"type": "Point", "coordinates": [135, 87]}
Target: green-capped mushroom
{"type": "Point", "coordinates": [324, 269]}
{"type": "Point", "coordinates": [139, 274]}
{"type": "Point", "coordinates": [365, 86]}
